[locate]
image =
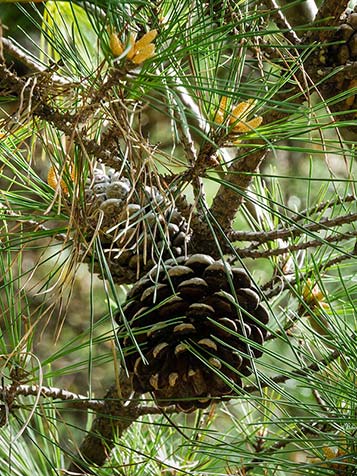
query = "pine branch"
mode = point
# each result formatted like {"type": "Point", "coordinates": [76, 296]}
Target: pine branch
{"type": "Point", "coordinates": [115, 413]}
{"type": "Point", "coordinates": [77, 400]}
{"type": "Point", "coordinates": [266, 236]}
{"type": "Point", "coordinates": [246, 253]}
{"type": "Point", "coordinates": [296, 374]}
{"type": "Point", "coordinates": [282, 22]}
{"type": "Point", "coordinates": [13, 50]}
{"type": "Point", "coordinates": [121, 408]}
{"type": "Point", "coordinates": [227, 201]}
{"type": "Point", "coordinates": [33, 100]}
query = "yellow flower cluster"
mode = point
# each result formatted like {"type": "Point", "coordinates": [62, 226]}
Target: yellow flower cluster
{"type": "Point", "coordinates": [331, 454]}
{"type": "Point", "coordinates": [316, 302]}
{"type": "Point", "coordinates": [139, 51]}
{"type": "Point", "coordinates": [53, 179]}
{"type": "Point", "coordinates": [313, 296]}
{"type": "Point", "coordinates": [237, 117]}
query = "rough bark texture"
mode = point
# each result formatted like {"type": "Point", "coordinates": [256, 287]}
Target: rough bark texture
{"type": "Point", "coordinates": [116, 416]}
{"type": "Point", "coordinates": [315, 68]}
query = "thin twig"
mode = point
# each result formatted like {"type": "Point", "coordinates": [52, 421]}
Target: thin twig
{"type": "Point", "coordinates": [304, 429]}
{"type": "Point", "coordinates": [78, 400]}
{"type": "Point", "coordinates": [34, 224]}
{"type": "Point", "coordinates": [304, 372]}
{"type": "Point", "coordinates": [30, 63]}
{"type": "Point", "coordinates": [323, 206]}
{"type": "Point", "coordinates": [270, 289]}
{"type": "Point", "coordinates": [282, 22]}
{"type": "Point", "coordinates": [265, 236]}
{"type": "Point", "coordinates": [243, 253]}
{"type": "Point", "coordinates": [322, 404]}
{"type": "Point", "coordinates": [338, 259]}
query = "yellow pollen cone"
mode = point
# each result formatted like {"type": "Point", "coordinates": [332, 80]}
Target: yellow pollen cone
{"type": "Point", "coordinates": [248, 126]}
{"type": "Point", "coordinates": [240, 111]}
{"type": "Point", "coordinates": [149, 37]}
{"type": "Point", "coordinates": [222, 111]}
{"type": "Point", "coordinates": [116, 46]}
{"type": "Point", "coordinates": [144, 53]}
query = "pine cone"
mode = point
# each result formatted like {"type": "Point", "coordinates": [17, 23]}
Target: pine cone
{"type": "Point", "coordinates": [192, 335]}
{"type": "Point", "coordinates": [137, 228]}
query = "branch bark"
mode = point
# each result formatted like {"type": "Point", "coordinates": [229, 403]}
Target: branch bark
{"type": "Point", "coordinates": [76, 399]}
{"type": "Point", "coordinates": [246, 253]}
{"type": "Point", "coordinates": [304, 372]}
{"type": "Point", "coordinates": [227, 201]}
{"type": "Point", "coordinates": [121, 408]}
{"type": "Point", "coordinates": [265, 236]}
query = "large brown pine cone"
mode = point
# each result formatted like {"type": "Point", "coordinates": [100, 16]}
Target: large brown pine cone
{"type": "Point", "coordinates": [137, 228]}
{"type": "Point", "coordinates": [199, 324]}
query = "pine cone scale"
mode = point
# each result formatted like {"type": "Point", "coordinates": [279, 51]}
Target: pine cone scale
{"type": "Point", "coordinates": [200, 325]}
{"type": "Point", "coordinates": [136, 228]}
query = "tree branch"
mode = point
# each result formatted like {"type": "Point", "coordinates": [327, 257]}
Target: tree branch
{"type": "Point", "coordinates": [265, 236]}
{"type": "Point", "coordinates": [115, 413]}
{"type": "Point", "coordinates": [76, 399]}
{"type": "Point", "coordinates": [120, 410]}
{"type": "Point", "coordinates": [30, 63]}
{"type": "Point", "coordinates": [226, 202]}
{"type": "Point", "coordinates": [80, 401]}
{"type": "Point", "coordinates": [304, 372]}
{"type": "Point", "coordinates": [323, 206]}
{"type": "Point", "coordinates": [246, 253]}
{"type": "Point", "coordinates": [63, 121]}
{"type": "Point", "coordinates": [282, 22]}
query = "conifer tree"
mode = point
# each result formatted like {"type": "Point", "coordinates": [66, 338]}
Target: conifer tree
{"type": "Point", "coordinates": [177, 237]}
